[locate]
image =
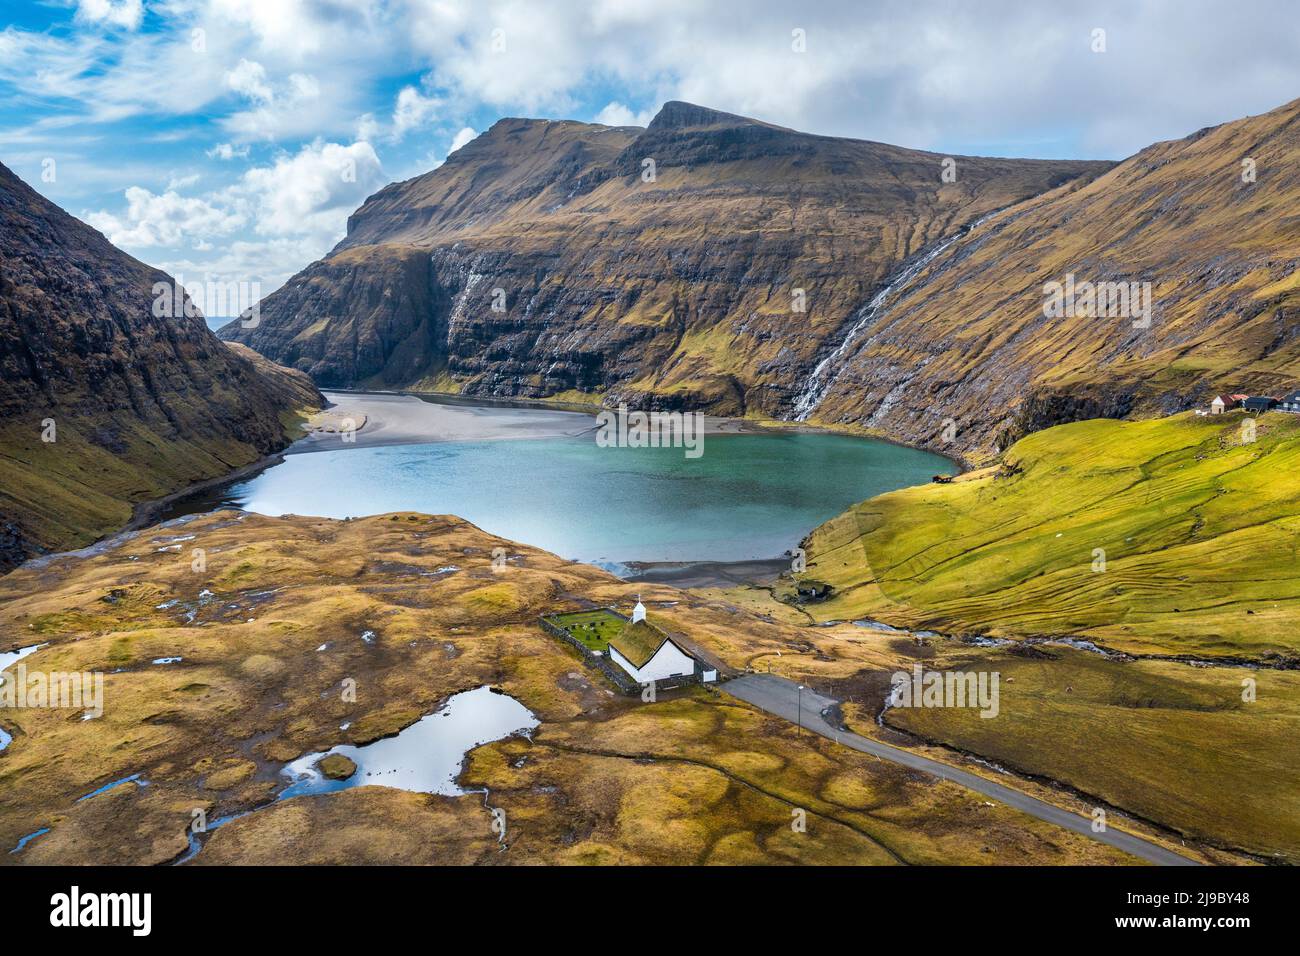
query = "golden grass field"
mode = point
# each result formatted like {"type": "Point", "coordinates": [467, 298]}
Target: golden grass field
{"type": "Point", "coordinates": [695, 777]}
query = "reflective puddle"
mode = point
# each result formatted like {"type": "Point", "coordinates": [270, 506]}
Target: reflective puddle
{"type": "Point", "coordinates": [7, 660]}
{"type": "Point", "coordinates": [426, 756]}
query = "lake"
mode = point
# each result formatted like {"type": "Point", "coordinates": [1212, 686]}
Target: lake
{"type": "Point", "coordinates": [747, 497]}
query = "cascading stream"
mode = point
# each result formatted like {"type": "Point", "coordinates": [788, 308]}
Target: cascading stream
{"type": "Point", "coordinates": [825, 373]}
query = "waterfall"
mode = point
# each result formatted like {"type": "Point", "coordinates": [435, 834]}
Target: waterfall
{"type": "Point", "coordinates": [823, 376]}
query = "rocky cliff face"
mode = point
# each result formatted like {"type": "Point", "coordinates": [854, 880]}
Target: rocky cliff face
{"type": "Point", "coordinates": [968, 341]}
{"type": "Point", "coordinates": [666, 264]}
{"type": "Point", "coordinates": [102, 404]}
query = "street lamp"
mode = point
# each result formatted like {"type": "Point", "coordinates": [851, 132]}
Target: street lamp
{"type": "Point", "coordinates": [799, 718]}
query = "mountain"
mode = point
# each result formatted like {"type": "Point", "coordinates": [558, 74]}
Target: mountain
{"type": "Point", "coordinates": [968, 339]}
{"type": "Point", "coordinates": [136, 406]}
{"type": "Point", "coordinates": [641, 264]}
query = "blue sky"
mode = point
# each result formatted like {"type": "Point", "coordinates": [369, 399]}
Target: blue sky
{"type": "Point", "coordinates": [230, 139]}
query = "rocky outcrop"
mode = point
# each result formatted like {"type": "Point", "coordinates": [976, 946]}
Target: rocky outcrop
{"type": "Point", "coordinates": [289, 387]}
{"type": "Point", "coordinates": [707, 260]}
{"type": "Point", "coordinates": [102, 403]}
{"type": "Point", "coordinates": [381, 316]}
{"type": "Point", "coordinates": [337, 766]}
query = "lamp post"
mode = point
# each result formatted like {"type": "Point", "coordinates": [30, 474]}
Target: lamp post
{"type": "Point", "coordinates": [799, 718]}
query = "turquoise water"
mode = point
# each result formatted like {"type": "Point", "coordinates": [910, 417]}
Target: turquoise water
{"type": "Point", "coordinates": [747, 497]}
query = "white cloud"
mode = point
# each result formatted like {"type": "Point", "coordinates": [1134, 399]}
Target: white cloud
{"type": "Point", "coordinates": [298, 204]}
{"type": "Point", "coordinates": [118, 13]}
{"type": "Point", "coordinates": [268, 262]}
{"type": "Point", "coordinates": [295, 106]}
{"type": "Point", "coordinates": [166, 219]}
{"type": "Point", "coordinates": [412, 109]}
{"type": "Point", "coordinates": [929, 73]}
{"type": "Point", "coordinates": [998, 76]}
{"type": "Point", "coordinates": [460, 139]}
{"type": "Point", "coordinates": [616, 114]}
{"type": "Point", "coordinates": [368, 128]}
{"type": "Point", "coordinates": [312, 192]}
{"type": "Point", "coordinates": [505, 53]}
{"type": "Point", "coordinates": [296, 29]}
{"type": "Point", "coordinates": [303, 86]}
{"type": "Point", "coordinates": [316, 59]}
{"type": "Point", "coordinates": [249, 79]}
{"type": "Point", "coordinates": [227, 151]}
{"type": "Point", "coordinates": [101, 77]}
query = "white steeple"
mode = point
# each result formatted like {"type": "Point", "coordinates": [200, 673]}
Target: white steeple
{"type": "Point", "coordinates": [638, 612]}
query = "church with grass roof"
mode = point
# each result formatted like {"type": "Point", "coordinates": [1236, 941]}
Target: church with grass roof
{"type": "Point", "coordinates": [646, 652]}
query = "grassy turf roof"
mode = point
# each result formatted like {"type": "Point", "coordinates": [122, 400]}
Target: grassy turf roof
{"type": "Point", "coordinates": [638, 642]}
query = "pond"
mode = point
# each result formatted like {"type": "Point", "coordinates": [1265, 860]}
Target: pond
{"type": "Point", "coordinates": [426, 756]}
{"type": "Point", "coordinates": [7, 659]}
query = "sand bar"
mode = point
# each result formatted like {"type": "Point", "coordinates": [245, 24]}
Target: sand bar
{"type": "Point", "coordinates": [387, 418]}
{"type": "Point", "coordinates": [390, 419]}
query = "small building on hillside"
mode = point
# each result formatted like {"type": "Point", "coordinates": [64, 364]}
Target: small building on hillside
{"type": "Point", "coordinates": [1226, 403]}
{"type": "Point", "coordinates": [810, 590]}
{"type": "Point", "coordinates": [647, 653]}
{"type": "Point", "coordinates": [630, 651]}
{"type": "Point", "coordinates": [1291, 403]}
{"type": "Point", "coordinates": [1258, 403]}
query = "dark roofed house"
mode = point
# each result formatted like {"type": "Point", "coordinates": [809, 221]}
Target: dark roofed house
{"type": "Point", "coordinates": [813, 590]}
{"type": "Point", "coordinates": [1258, 403]}
{"type": "Point", "coordinates": [1291, 403]}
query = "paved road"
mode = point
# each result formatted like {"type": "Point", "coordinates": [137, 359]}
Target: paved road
{"type": "Point", "coordinates": [780, 697]}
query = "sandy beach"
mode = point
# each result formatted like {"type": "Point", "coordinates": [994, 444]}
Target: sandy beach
{"type": "Point", "coordinates": [382, 418]}
{"type": "Point", "coordinates": [708, 574]}
{"type": "Point", "coordinates": [391, 419]}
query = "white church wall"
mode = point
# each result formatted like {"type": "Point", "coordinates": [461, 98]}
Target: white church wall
{"type": "Point", "coordinates": [668, 661]}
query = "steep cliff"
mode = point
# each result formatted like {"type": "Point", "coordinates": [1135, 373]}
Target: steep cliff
{"type": "Point", "coordinates": [1209, 221]}
{"type": "Point", "coordinates": [103, 404]}
{"type": "Point", "coordinates": [660, 263]}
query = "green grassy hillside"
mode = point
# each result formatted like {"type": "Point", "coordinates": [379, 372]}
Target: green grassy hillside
{"type": "Point", "coordinates": [1198, 526]}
